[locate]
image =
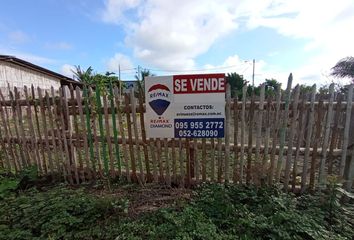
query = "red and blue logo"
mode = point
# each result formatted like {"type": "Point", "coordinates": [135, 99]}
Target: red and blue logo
{"type": "Point", "coordinates": [159, 98]}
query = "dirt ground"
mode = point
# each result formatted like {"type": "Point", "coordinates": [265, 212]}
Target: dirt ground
{"type": "Point", "coordinates": [145, 199]}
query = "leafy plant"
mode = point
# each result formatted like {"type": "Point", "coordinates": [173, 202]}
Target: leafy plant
{"type": "Point", "coordinates": [216, 211]}
{"type": "Point", "coordinates": [7, 185]}
{"type": "Point", "coordinates": [10, 183]}
{"type": "Point", "coordinates": [58, 214]}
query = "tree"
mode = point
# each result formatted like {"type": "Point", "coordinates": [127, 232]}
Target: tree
{"type": "Point", "coordinates": [101, 80]}
{"type": "Point", "coordinates": [304, 89]}
{"type": "Point", "coordinates": [236, 82]}
{"type": "Point", "coordinates": [84, 76]}
{"type": "Point", "coordinates": [338, 88]}
{"type": "Point", "coordinates": [141, 79]}
{"type": "Point", "coordinates": [344, 68]}
{"type": "Point", "coordinates": [271, 86]}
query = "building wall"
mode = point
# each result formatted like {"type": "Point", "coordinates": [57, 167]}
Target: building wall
{"type": "Point", "coordinates": [17, 76]}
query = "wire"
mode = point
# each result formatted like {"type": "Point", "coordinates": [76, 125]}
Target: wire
{"type": "Point", "coordinates": [192, 70]}
{"type": "Point", "coordinates": [128, 69]}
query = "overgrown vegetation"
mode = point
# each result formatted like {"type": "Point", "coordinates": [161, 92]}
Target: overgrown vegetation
{"type": "Point", "coordinates": [215, 212]}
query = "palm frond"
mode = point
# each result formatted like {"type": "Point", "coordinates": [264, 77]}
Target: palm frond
{"type": "Point", "coordinates": [344, 68]}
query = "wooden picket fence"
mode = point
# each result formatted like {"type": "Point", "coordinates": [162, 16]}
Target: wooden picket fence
{"type": "Point", "coordinates": [294, 139]}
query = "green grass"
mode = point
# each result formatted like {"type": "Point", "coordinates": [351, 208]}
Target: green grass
{"type": "Point", "coordinates": [215, 211]}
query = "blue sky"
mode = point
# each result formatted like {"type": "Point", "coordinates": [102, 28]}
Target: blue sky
{"type": "Point", "coordinates": [305, 37]}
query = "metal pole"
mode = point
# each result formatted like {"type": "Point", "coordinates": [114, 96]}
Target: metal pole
{"type": "Point", "coordinates": [254, 63]}
{"type": "Point", "coordinates": [120, 83]}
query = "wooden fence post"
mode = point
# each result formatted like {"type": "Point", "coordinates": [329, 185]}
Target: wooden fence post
{"type": "Point", "coordinates": [243, 127]}
{"type": "Point", "coordinates": [348, 171]}
{"type": "Point", "coordinates": [322, 173]}
{"type": "Point", "coordinates": [291, 136]}
{"type": "Point", "coordinates": [227, 131]}
{"type": "Point", "coordinates": [274, 137]}
{"type": "Point", "coordinates": [283, 128]}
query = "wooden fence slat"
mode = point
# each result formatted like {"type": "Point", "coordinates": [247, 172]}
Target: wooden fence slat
{"type": "Point", "coordinates": [174, 161]}
{"type": "Point", "coordinates": [283, 128]}
{"type": "Point", "coordinates": [219, 159]}
{"type": "Point", "coordinates": [188, 162]}
{"type": "Point", "coordinates": [42, 161]}
{"type": "Point", "coordinates": [108, 136]}
{"type": "Point", "coordinates": [57, 125]}
{"type": "Point", "coordinates": [102, 133]}
{"type": "Point", "coordinates": [266, 140]}
{"type": "Point", "coordinates": [212, 159]}
{"type": "Point", "coordinates": [130, 137]}
{"type": "Point", "coordinates": [26, 159]}
{"type": "Point", "coordinates": [258, 162]}
{"type": "Point", "coordinates": [322, 174]}
{"type": "Point", "coordinates": [136, 136]}
{"type": "Point", "coordinates": [122, 133]}
{"type": "Point", "coordinates": [67, 126]}
{"type": "Point", "coordinates": [204, 160]}
{"type": "Point", "coordinates": [181, 163]}
{"type": "Point", "coordinates": [243, 127]}
{"type": "Point", "coordinates": [310, 125]}
{"type": "Point", "coordinates": [349, 178]}
{"type": "Point", "coordinates": [15, 122]}
{"type": "Point", "coordinates": [153, 158]}
{"type": "Point", "coordinates": [4, 156]}
{"type": "Point", "coordinates": [67, 171]}
{"type": "Point", "coordinates": [167, 162]}
{"type": "Point", "coordinates": [96, 138]}
{"type": "Point", "coordinates": [91, 129]}
{"type": "Point", "coordinates": [51, 132]}
{"type": "Point", "coordinates": [115, 129]}
{"type": "Point", "coordinates": [346, 130]}
{"type": "Point", "coordinates": [316, 139]}
{"type": "Point", "coordinates": [300, 136]}
{"type": "Point", "coordinates": [236, 158]}
{"type": "Point", "coordinates": [143, 136]}
{"type": "Point", "coordinates": [77, 132]}
{"type": "Point", "coordinates": [196, 160]}
{"type": "Point", "coordinates": [250, 138]}
{"type": "Point", "coordinates": [227, 131]}
{"type": "Point", "coordinates": [45, 130]}
{"type": "Point", "coordinates": [291, 136]}
{"type": "Point", "coordinates": [3, 153]}
{"type": "Point", "coordinates": [159, 155]}
{"type": "Point", "coordinates": [275, 134]}
{"type": "Point", "coordinates": [84, 130]}
{"type": "Point", "coordinates": [8, 134]}
{"type": "Point", "coordinates": [335, 132]}
{"type": "Point", "coordinates": [6, 122]}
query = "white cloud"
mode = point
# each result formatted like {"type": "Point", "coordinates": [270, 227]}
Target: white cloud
{"type": "Point", "coordinates": [26, 56]}
{"type": "Point", "coordinates": [67, 70]}
{"type": "Point", "coordinates": [303, 75]}
{"type": "Point", "coordinates": [114, 10]}
{"type": "Point", "coordinates": [58, 46]}
{"type": "Point", "coordinates": [119, 60]}
{"type": "Point", "coordinates": [172, 34]}
{"type": "Point", "coordinates": [326, 25]}
{"type": "Point", "coordinates": [18, 37]}
{"type": "Point", "coordinates": [243, 67]}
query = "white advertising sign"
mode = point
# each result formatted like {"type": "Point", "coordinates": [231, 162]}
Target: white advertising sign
{"type": "Point", "coordinates": [185, 106]}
